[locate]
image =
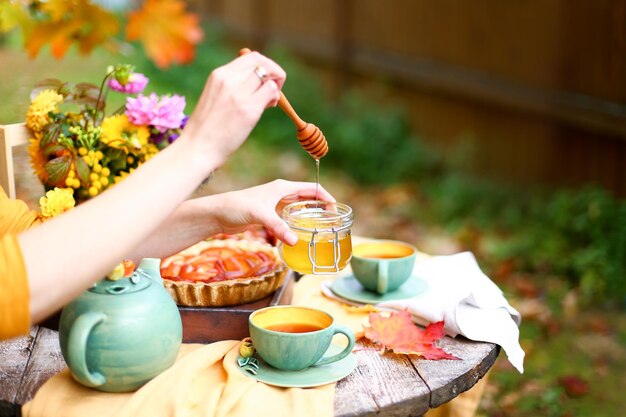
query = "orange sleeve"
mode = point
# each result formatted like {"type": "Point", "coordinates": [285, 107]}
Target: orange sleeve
{"type": "Point", "coordinates": [14, 291]}
{"type": "Point", "coordinates": [15, 217]}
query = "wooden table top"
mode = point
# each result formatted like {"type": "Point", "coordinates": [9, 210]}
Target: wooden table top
{"type": "Point", "coordinates": [382, 385]}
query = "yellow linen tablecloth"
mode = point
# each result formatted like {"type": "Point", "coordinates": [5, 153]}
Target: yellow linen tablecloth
{"type": "Point", "coordinates": [205, 381]}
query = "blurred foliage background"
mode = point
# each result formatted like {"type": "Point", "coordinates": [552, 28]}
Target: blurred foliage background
{"type": "Point", "coordinates": [558, 253]}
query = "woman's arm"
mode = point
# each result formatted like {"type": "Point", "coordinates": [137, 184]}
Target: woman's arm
{"type": "Point", "coordinates": [231, 212]}
{"type": "Point", "coordinates": [67, 254]}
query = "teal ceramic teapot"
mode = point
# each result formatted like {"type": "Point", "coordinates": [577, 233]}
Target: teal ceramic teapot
{"type": "Point", "coordinates": [118, 335]}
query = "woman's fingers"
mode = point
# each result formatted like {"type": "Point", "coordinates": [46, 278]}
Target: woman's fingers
{"type": "Point", "coordinates": [266, 67]}
{"type": "Point", "coordinates": [258, 77]}
{"type": "Point", "coordinates": [297, 191]}
{"type": "Point", "coordinates": [268, 78]}
{"type": "Point", "coordinates": [268, 93]}
{"type": "Point", "coordinates": [263, 204]}
{"type": "Point", "coordinates": [309, 190]}
{"type": "Point", "coordinates": [255, 70]}
{"type": "Point", "coordinates": [280, 229]}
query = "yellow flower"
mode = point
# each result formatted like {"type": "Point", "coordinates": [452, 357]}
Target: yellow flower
{"type": "Point", "coordinates": [56, 202]}
{"type": "Point", "coordinates": [151, 150]}
{"type": "Point", "coordinates": [118, 132]}
{"type": "Point", "coordinates": [37, 161]}
{"type": "Point", "coordinates": [45, 102]}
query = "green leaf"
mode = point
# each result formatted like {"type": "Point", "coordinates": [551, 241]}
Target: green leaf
{"type": "Point", "coordinates": [82, 170]}
{"type": "Point", "coordinates": [87, 94]}
{"type": "Point", "coordinates": [115, 159]}
{"type": "Point", "coordinates": [81, 87]}
{"type": "Point", "coordinates": [117, 165]}
{"type": "Point", "coordinates": [52, 149]}
{"type": "Point", "coordinates": [65, 130]}
{"type": "Point", "coordinates": [66, 89]}
{"type": "Point", "coordinates": [57, 169]}
{"type": "Point", "coordinates": [50, 136]}
{"type": "Point", "coordinates": [46, 84]}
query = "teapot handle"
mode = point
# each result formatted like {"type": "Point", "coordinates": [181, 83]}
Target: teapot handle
{"type": "Point", "coordinates": [77, 349]}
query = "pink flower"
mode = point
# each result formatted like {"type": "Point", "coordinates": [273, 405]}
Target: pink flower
{"type": "Point", "coordinates": [136, 83]}
{"type": "Point", "coordinates": [164, 113]}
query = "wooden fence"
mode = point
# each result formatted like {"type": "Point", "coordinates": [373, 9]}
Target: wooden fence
{"type": "Point", "coordinates": [539, 86]}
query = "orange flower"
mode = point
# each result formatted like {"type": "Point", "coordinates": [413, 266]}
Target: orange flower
{"type": "Point", "coordinates": [37, 161]}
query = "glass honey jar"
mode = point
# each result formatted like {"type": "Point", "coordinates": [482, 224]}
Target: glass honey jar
{"type": "Point", "coordinates": [324, 237]}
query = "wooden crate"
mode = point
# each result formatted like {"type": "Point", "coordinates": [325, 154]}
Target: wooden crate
{"type": "Point", "coordinates": [210, 324]}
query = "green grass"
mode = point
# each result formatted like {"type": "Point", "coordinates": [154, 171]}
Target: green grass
{"type": "Point", "coordinates": [594, 358]}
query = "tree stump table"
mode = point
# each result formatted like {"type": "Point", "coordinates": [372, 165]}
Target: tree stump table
{"type": "Point", "coordinates": [381, 385]}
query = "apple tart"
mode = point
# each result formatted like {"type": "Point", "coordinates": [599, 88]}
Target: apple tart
{"type": "Point", "coordinates": [221, 273]}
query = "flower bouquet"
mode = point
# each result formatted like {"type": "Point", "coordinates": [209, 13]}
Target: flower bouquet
{"type": "Point", "coordinates": [78, 151]}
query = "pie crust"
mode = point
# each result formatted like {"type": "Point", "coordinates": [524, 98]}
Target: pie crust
{"type": "Point", "coordinates": [230, 291]}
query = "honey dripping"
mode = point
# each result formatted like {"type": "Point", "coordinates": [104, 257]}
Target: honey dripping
{"type": "Point", "coordinates": [317, 182]}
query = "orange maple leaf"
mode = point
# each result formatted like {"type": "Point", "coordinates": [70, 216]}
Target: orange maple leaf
{"type": "Point", "coordinates": [399, 334]}
{"type": "Point", "coordinates": [167, 32]}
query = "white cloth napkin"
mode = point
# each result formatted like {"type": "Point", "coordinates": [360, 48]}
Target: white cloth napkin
{"type": "Point", "coordinates": [469, 303]}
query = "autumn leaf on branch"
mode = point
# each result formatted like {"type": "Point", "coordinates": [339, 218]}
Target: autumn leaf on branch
{"type": "Point", "coordinates": [167, 32]}
{"type": "Point", "coordinates": [67, 22]}
{"type": "Point", "coordinates": [397, 332]}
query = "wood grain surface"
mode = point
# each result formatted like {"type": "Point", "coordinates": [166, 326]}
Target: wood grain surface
{"type": "Point", "coordinates": [45, 361]}
{"type": "Point", "coordinates": [388, 385]}
{"type": "Point", "coordinates": [14, 357]}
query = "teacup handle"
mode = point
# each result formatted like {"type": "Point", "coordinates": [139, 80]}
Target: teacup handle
{"type": "Point", "coordinates": [383, 277]}
{"type": "Point", "coordinates": [77, 349]}
{"type": "Point", "coordinates": [338, 356]}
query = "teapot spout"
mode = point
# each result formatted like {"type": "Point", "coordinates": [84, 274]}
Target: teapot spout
{"type": "Point", "coordinates": [152, 267]}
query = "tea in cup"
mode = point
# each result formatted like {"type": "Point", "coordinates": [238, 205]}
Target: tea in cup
{"type": "Point", "coordinates": [324, 237]}
{"type": "Point", "coordinates": [293, 338]}
{"type": "Point", "coordinates": [384, 265]}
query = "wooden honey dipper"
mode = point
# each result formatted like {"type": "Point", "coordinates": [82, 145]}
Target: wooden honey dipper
{"type": "Point", "coordinates": [310, 136]}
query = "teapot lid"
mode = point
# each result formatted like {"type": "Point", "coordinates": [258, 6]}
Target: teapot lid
{"type": "Point", "coordinates": [138, 281]}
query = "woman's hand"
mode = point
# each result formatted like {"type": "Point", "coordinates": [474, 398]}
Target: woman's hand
{"type": "Point", "coordinates": [230, 213]}
{"type": "Point", "coordinates": [263, 205]}
{"type": "Point", "coordinates": [232, 102]}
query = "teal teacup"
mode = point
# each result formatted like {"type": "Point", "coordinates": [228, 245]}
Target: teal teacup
{"type": "Point", "coordinates": [383, 266]}
{"type": "Point", "coordinates": [293, 338]}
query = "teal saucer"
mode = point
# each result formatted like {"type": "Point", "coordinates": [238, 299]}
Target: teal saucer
{"type": "Point", "coordinates": [349, 288]}
{"type": "Point", "coordinates": [313, 376]}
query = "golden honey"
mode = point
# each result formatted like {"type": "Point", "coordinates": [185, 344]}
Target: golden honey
{"type": "Point", "coordinates": [324, 238]}
{"type": "Point", "coordinates": [297, 257]}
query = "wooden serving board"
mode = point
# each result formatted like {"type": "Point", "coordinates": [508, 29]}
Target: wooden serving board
{"type": "Point", "coordinates": [210, 324]}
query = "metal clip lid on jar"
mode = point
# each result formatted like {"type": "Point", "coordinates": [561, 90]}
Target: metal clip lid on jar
{"type": "Point", "coordinates": [324, 236]}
